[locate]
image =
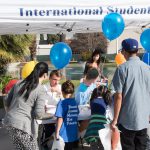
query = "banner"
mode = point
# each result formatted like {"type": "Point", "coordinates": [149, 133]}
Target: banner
{"type": "Point", "coordinates": [18, 10]}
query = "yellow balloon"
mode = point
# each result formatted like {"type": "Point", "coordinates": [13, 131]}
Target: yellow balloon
{"type": "Point", "coordinates": [119, 59]}
{"type": "Point", "coordinates": [28, 68]}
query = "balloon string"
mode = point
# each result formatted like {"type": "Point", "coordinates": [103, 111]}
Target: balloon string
{"type": "Point", "coordinates": [148, 58]}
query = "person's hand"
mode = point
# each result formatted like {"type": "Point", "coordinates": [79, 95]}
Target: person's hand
{"type": "Point", "coordinates": [55, 89]}
{"type": "Point", "coordinates": [57, 136]}
{"type": "Point", "coordinates": [98, 83]}
{"type": "Point", "coordinates": [45, 108]}
{"type": "Point", "coordinates": [113, 125]}
{"type": "Point", "coordinates": [104, 80]}
{"type": "Point", "coordinates": [46, 103]}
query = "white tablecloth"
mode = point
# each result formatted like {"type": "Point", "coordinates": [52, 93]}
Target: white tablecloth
{"type": "Point", "coordinates": [84, 114]}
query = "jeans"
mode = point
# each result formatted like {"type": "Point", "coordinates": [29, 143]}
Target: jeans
{"type": "Point", "coordinates": [133, 140]}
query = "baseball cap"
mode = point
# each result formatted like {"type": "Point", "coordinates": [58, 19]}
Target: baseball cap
{"type": "Point", "coordinates": [130, 45]}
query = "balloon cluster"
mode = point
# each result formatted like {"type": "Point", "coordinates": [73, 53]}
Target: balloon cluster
{"type": "Point", "coordinates": [60, 55]}
{"type": "Point", "coordinates": [112, 26]}
{"type": "Point", "coordinates": [145, 42]}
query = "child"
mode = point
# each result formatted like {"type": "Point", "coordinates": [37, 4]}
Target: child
{"type": "Point", "coordinates": [67, 117]}
{"type": "Point", "coordinates": [100, 98]}
{"type": "Point", "coordinates": [84, 90]}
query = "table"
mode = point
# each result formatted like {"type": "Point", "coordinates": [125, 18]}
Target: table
{"type": "Point", "coordinates": [85, 114]}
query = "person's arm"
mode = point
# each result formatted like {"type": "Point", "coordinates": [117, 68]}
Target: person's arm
{"type": "Point", "coordinates": [58, 127]}
{"type": "Point", "coordinates": [60, 113]}
{"type": "Point", "coordinates": [118, 83]}
{"type": "Point", "coordinates": [8, 98]}
{"type": "Point", "coordinates": [117, 107]}
{"type": "Point", "coordinates": [39, 110]}
{"type": "Point", "coordinates": [54, 94]}
{"type": "Point", "coordinates": [82, 97]}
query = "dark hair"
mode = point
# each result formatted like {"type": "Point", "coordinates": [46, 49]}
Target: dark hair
{"type": "Point", "coordinates": [132, 52]}
{"type": "Point", "coordinates": [55, 72]}
{"type": "Point", "coordinates": [102, 91]}
{"type": "Point", "coordinates": [32, 81]}
{"type": "Point", "coordinates": [87, 67]}
{"type": "Point", "coordinates": [96, 52]}
{"type": "Point", "coordinates": [92, 73]}
{"type": "Point", "coordinates": [67, 87]}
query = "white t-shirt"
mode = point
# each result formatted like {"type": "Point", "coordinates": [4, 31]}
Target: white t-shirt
{"type": "Point", "coordinates": [53, 97]}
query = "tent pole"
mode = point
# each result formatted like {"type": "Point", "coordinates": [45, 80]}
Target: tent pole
{"type": "Point", "coordinates": [148, 58]}
{"type": "Point", "coordinates": [117, 46]}
{"type": "Point", "coordinates": [37, 43]}
{"type": "Point", "coordinates": [62, 39]}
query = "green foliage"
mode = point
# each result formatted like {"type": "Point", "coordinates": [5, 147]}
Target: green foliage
{"type": "Point", "coordinates": [75, 82]}
{"type": "Point", "coordinates": [13, 48]}
{"type": "Point", "coordinates": [4, 80]}
{"type": "Point", "coordinates": [104, 59]}
{"type": "Point", "coordinates": [51, 38]}
{"type": "Point", "coordinates": [86, 55]}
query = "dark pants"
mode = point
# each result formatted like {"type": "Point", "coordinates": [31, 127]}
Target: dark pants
{"type": "Point", "coordinates": [71, 145]}
{"type": "Point", "coordinates": [48, 130]}
{"type": "Point", "coordinates": [133, 140]}
{"type": "Point", "coordinates": [96, 145]}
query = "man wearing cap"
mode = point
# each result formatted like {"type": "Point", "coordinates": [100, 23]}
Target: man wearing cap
{"type": "Point", "coordinates": [131, 83]}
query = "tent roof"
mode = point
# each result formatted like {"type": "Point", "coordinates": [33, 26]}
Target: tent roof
{"type": "Point", "coordinates": [63, 16]}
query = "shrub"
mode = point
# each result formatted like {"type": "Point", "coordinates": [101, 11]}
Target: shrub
{"type": "Point", "coordinates": [86, 55]}
{"type": "Point", "coordinates": [3, 81]}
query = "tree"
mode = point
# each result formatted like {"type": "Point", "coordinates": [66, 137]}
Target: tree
{"type": "Point", "coordinates": [13, 48]}
{"type": "Point", "coordinates": [52, 38]}
{"type": "Point", "coordinates": [88, 42]}
{"type": "Point", "coordinates": [32, 49]}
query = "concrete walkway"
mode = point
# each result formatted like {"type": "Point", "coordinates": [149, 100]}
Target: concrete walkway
{"type": "Point", "coordinates": [5, 143]}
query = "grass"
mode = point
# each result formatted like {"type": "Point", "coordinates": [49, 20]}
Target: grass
{"type": "Point", "coordinates": [111, 64]}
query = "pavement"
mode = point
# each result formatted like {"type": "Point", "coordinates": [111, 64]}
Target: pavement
{"type": "Point", "coordinates": [5, 143]}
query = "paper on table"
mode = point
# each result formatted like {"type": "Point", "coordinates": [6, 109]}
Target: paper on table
{"type": "Point", "coordinates": [84, 111]}
{"type": "Point", "coordinates": [51, 109]}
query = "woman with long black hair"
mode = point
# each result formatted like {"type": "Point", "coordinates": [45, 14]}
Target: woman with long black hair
{"type": "Point", "coordinates": [25, 103]}
{"type": "Point", "coordinates": [94, 62]}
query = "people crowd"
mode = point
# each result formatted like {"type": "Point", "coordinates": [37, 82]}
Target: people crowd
{"type": "Point", "coordinates": [127, 99]}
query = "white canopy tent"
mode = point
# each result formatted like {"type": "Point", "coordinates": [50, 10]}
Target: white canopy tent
{"type": "Point", "coordinates": [63, 16]}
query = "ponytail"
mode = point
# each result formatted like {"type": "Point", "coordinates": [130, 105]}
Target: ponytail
{"type": "Point", "coordinates": [102, 91]}
{"type": "Point", "coordinates": [107, 97]}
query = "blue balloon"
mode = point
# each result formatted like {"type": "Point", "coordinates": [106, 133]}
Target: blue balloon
{"type": "Point", "coordinates": [145, 39]}
{"type": "Point", "coordinates": [146, 58]}
{"type": "Point", "coordinates": [112, 26]}
{"type": "Point", "coordinates": [60, 55]}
